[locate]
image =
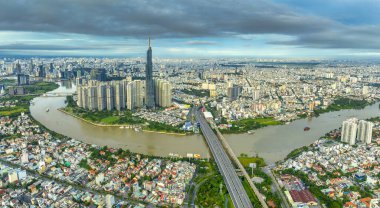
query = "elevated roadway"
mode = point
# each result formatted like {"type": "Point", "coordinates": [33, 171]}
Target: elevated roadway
{"type": "Point", "coordinates": [233, 183]}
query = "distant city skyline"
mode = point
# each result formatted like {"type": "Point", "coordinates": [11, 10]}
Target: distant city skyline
{"type": "Point", "coordinates": [248, 28]}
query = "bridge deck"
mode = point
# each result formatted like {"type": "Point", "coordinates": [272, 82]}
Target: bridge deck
{"type": "Point", "coordinates": [234, 186]}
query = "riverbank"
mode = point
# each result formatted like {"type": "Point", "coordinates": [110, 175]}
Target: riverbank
{"type": "Point", "coordinates": [250, 124]}
{"type": "Point", "coordinates": [20, 103]}
{"type": "Point", "coordinates": [168, 133]}
{"type": "Point", "coordinates": [64, 137]}
{"type": "Point", "coordinates": [331, 135]}
{"type": "Point", "coordinates": [157, 144]}
{"type": "Point", "coordinates": [93, 123]}
{"type": "Point", "coordinates": [126, 126]}
{"type": "Point", "coordinates": [120, 119]}
{"type": "Point", "coordinates": [274, 143]}
{"type": "Point", "coordinates": [342, 103]}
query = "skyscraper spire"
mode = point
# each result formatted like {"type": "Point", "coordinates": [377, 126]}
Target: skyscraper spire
{"type": "Point", "coordinates": [149, 42]}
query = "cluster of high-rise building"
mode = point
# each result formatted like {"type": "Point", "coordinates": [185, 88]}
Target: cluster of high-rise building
{"type": "Point", "coordinates": [354, 130]}
{"type": "Point", "coordinates": [125, 94]}
{"type": "Point", "coordinates": [100, 96]}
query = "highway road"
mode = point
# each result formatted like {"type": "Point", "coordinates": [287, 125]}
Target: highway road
{"type": "Point", "coordinates": [233, 183]}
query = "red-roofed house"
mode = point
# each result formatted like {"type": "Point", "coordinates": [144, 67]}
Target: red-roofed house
{"type": "Point", "coordinates": [303, 196]}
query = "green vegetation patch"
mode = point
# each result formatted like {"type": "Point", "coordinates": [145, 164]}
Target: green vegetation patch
{"type": "Point", "coordinates": [41, 87]}
{"type": "Point", "coordinates": [230, 203]}
{"type": "Point", "coordinates": [110, 120]}
{"type": "Point", "coordinates": [296, 152]}
{"type": "Point", "coordinates": [14, 111]}
{"type": "Point", "coordinates": [244, 125]}
{"type": "Point", "coordinates": [265, 187]}
{"type": "Point", "coordinates": [6, 81]}
{"type": "Point", "coordinates": [343, 103]}
{"type": "Point", "coordinates": [198, 93]}
{"type": "Point", "coordinates": [211, 193]}
{"type": "Point", "coordinates": [22, 101]}
{"type": "Point", "coordinates": [252, 197]}
{"type": "Point", "coordinates": [245, 161]}
{"type": "Point", "coordinates": [374, 119]}
{"type": "Point", "coordinates": [117, 118]}
{"type": "Point", "coordinates": [84, 164]}
{"type": "Point", "coordinates": [102, 117]}
{"type": "Point", "coordinates": [156, 126]}
{"type": "Point", "coordinates": [268, 121]}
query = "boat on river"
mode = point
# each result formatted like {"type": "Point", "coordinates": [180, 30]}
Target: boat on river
{"type": "Point", "coordinates": [251, 132]}
{"type": "Point", "coordinates": [306, 128]}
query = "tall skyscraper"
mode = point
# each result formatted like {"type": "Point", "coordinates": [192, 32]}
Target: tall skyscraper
{"type": "Point", "coordinates": [349, 131]}
{"type": "Point", "coordinates": [233, 92]}
{"type": "Point", "coordinates": [135, 94]}
{"type": "Point", "coordinates": [92, 98]}
{"type": "Point", "coordinates": [131, 95]}
{"type": "Point", "coordinates": [119, 96]}
{"type": "Point", "coordinates": [18, 68]}
{"type": "Point", "coordinates": [149, 84]}
{"type": "Point", "coordinates": [102, 97]}
{"type": "Point", "coordinates": [51, 68]}
{"type": "Point", "coordinates": [41, 71]}
{"type": "Point", "coordinates": [85, 97]}
{"type": "Point", "coordinates": [140, 93]}
{"type": "Point", "coordinates": [157, 91]}
{"type": "Point", "coordinates": [163, 93]}
{"type": "Point", "coordinates": [110, 97]}
{"type": "Point", "coordinates": [365, 131]}
{"type": "Point", "coordinates": [353, 131]}
{"type": "Point", "coordinates": [80, 94]}
{"type": "Point", "coordinates": [31, 65]}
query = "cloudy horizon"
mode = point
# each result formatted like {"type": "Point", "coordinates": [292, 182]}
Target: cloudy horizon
{"type": "Point", "coordinates": [251, 28]}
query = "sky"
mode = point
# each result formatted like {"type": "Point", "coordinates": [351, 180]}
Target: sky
{"type": "Point", "coordinates": [191, 28]}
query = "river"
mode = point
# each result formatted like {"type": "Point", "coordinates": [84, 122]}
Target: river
{"type": "Point", "coordinates": [272, 143]}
